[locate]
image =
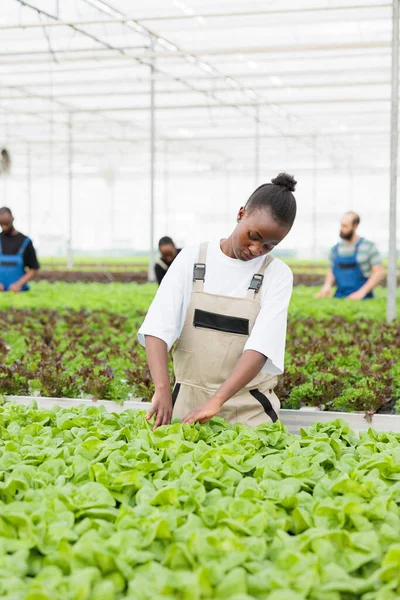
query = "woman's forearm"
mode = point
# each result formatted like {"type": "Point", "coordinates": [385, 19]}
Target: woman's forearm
{"type": "Point", "coordinates": [157, 359]}
{"type": "Point", "coordinates": [248, 366]}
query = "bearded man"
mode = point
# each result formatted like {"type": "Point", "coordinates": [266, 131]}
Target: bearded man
{"type": "Point", "coordinates": [355, 264]}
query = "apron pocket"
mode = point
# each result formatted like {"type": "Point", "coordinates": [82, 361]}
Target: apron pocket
{"type": "Point", "coordinates": [8, 263]}
{"type": "Point", "coordinates": [266, 404]}
{"type": "Point", "coordinates": [175, 393]}
{"type": "Point", "coordinates": [347, 265]}
{"type": "Point", "coordinates": [217, 322]}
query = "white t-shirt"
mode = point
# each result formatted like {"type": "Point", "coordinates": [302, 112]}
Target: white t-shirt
{"type": "Point", "coordinates": [228, 277]}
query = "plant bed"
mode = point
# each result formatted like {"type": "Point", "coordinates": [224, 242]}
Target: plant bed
{"type": "Point", "coordinates": [72, 353]}
{"type": "Point", "coordinates": [97, 506]}
{"type": "Point", "coordinates": [335, 358]}
{"type": "Point", "coordinates": [342, 365]}
{"type": "Point", "coordinates": [95, 276]}
{"type": "Point", "coordinates": [293, 420]}
{"type": "Point", "coordinates": [87, 275]}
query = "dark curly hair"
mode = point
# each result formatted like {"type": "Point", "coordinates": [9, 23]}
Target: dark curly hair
{"type": "Point", "coordinates": [277, 198]}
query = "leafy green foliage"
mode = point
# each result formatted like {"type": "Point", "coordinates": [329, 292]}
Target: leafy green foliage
{"type": "Point", "coordinates": [80, 340]}
{"type": "Point", "coordinates": [125, 298]}
{"type": "Point", "coordinates": [97, 506]}
{"type": "Point", "coordinates": [120, 298]}
{"type": "Point", "coordinates": [343, 365]}
{"type": "Point", "coordinates": [73, 354]}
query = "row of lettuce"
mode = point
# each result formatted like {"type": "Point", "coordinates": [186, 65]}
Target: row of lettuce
{"type": "Point", "coordinates": [97, 506]}
{"type": "Point", "coordinates": [80, 341]}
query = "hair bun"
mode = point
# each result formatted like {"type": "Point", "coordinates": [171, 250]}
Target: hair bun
{"type": "Point", "coordinates": [285, 180]}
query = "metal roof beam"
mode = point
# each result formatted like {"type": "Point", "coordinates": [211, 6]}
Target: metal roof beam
{"type": "Point", "coordinates": [189, 140]}
{"type": "Point", "coordinates": [71, 51]}
{"type": "Point", "coordinates": [201, 76]}
{"type": "Point", "coordinates": [133, 93]}
{"type": "Point", "coordinates": [180, 17]}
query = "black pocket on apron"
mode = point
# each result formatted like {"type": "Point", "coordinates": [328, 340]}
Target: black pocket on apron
{"type": "Point", "coordinates": [208, 320]}
{"type": "Point", "coordinates": [266, 404]}
{"type": "Point", "coordinates": [8, 263]}
{"type": "Point", "coordinates": [347, 265]}
{"type": "Point", "coordinates": [175, 393]}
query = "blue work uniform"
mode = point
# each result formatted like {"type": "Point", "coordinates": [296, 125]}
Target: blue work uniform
{"type": "Point", "coordinates": [12, 266]}
{"type": "Point", "coordinates": [348, 274]}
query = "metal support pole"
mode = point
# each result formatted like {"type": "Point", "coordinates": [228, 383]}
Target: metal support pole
{"type": "Point", "coordinates": [70, 258]}
{"type": "Point", "coordinates": [166, 187]}
{"type": "Point", "coordinates": [228, 215]}
{"type": "Point", "coordinates": [151, 274]}
{"type": "Point", "coordinates": [392, 262]}
{"type": "Point", "coordinates": [350, 178]}
{"type": "Point", "coordinates": [29, 186]}
{"type": "Point", "coordinates": [257, 148]}
{"type": "Point", "coordinates": [314, 198]}
{"type": "Point", "coordinates": [111, 186]}
{"type": "Point", "coordinates": [6, 174]}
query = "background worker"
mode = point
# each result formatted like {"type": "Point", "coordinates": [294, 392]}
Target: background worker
{"type": "Point", "coordinates": [355, 264]}
{"type": "Point", "coordinates": [226, 303]}
{"type": "Point", "coordinates": [168, 252]}
{"type": "Point", "coordinates": [18, 260]}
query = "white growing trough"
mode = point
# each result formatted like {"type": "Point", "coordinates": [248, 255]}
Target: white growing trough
{"type": "Point", "coordinates": [294, 420]}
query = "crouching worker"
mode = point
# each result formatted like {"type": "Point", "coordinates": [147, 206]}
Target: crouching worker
{"type": "Point", "coordinates": [18, 261]}
{"type": "Point", "coordinates": [226, 303]}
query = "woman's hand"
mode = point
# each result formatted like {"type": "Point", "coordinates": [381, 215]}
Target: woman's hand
{"type": "Point", "coordinates": [248, 366]}
{"type": "Point", "coordinates": [157, 358]}
{"type": "Point", "coordinates": [161, 405]}
{"type": "Point", "coordinates": [205, 412]}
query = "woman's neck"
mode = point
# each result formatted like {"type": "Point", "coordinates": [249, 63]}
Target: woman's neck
{"type": "Point", "coordinates": [226, 247]}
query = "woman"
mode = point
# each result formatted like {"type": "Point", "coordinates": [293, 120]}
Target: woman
{"type": "Point", "coordinates": [226, 303]}
{"type": "Point", "coordinates": [168, 252]}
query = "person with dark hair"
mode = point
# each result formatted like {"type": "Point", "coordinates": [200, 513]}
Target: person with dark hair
{"type": "Point", "coordinates": [355, 264]}
{"type": "Point", "coordinates": [225, 302]}
{"type": "Point", "coordinates": [168, 252]}
{"type": "Point", "coordinates": [18, 260]}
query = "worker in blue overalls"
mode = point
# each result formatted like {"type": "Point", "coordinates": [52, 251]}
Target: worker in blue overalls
{"type": "Point", "coordinates": [355, 264]}
{"type": "Point", "coordinates": [18, 260]}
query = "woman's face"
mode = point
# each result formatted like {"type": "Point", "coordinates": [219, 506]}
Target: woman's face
{"type": "Point", "coordinates": [168, 253]}
{"type": "Point", "coordinates": [256, 234]}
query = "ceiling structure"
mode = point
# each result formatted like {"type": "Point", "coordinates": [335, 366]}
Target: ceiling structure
{"type": "Point", "coordinates": [236, 82]}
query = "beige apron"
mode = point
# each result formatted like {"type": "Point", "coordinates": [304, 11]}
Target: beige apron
{"type": "Point", "coordinates": [213, 337]}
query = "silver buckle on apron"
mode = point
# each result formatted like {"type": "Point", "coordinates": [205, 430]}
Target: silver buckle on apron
{"type": "Point", "coordinates": [256, 282]}
{"type": "Point", "coordinates": [199, 272]}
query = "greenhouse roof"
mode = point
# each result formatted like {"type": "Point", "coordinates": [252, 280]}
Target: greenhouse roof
{"type": "Point", "coordinates": [309, 79]}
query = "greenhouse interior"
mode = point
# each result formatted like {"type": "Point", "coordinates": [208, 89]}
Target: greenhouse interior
{"type": "Point", "coordinates": [199, 269]}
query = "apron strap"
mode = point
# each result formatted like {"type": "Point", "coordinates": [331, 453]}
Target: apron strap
{"type": "Point", "coordinates": [199, 269]}
{"type": "Point", "coordinates": [23, 245]}
{"type": "Point", "coordinates": [257, 280]}
{"type": "Point", "coordinates": [357, 246]}
{"type": "Point", "coordinates": [162, 264]}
